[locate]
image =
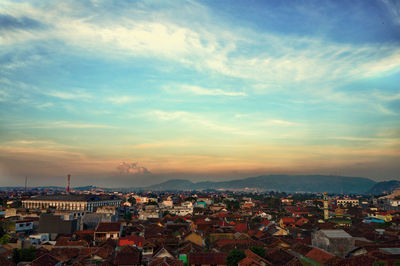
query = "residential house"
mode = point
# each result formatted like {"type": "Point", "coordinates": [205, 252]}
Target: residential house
{"type": "Point", "coordinates": [105, 231]}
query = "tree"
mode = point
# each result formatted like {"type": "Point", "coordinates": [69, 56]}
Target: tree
{"type": "Point", "coordinates": [24, 254]}
{"type": "Point", "coordinates": [232, 205]}
{"type": "Point", "coordinates": [260, 251]}
{"type": "Point", "coordinates": [128, 216]}
{"type": "Point", "coordinates": [256, 220]}
{"type": "Point", "coordinates": [132, 201]}
{"type": "Point", "coordinates": [234, 256]}
{"type": "Point", "coordinates": [4, 239]}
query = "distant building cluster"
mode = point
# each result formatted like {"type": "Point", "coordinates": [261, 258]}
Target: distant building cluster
{"type": "Point", "coordinates": [198, 228]}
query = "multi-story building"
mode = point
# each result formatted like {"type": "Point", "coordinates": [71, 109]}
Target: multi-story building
{"type": "Point", "coordinates": [347, 202]}
{"type": "Point", "coordinates": [71, 202]}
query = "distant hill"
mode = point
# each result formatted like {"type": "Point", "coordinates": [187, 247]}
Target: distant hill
{"type": "Point", "coordinates": [287, 183]}
{"type": "Point", "coordinates": [174, 184]}
{"type": "Point", "coordinates": [385, 187]}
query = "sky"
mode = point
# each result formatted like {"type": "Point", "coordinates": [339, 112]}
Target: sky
{"type": "Point", "coordinates": [131, 93]}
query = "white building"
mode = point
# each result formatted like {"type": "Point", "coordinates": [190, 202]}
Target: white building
{"type": "Point", "coordinates": [347, 202]}
{"type": "Point", "coordinates": [71, 202]}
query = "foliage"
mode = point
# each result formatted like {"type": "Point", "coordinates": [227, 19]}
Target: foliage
{"type": "Point", "coordinates": [232, 205]}
{"type": "Point", "coordinates": [152, 203]}
{"type": "Point", "coordinates": [4, 239]}
{"type": "Point", "coordinates": [132, 200]}
{"type": "Point", "coordinates": [24, 254]}
{"type": "Point", "coordinates": [260, 251]}
{"type": "Point", "coordinates": [128, 216]}
{"type": "Point", "coordinates": [234, 256]}
{"type": "Point", "coordinates": [2, 228]}
{"type": "Point", "coordinates": [379, 263]}
{"type": "Point", "coordinates": [179, 220]}
{"type": "Point", "coordinates": [256, 220]}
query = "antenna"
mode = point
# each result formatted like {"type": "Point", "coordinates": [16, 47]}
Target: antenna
{"type": "Point", "coordinates": [68, 182]}
{"type": "Point", "coordinates": [26, 181]}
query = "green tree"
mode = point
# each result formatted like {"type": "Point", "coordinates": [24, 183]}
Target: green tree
{"type": "Point", "coordinates": [128, 216]}
{"type": "Point", "coordinates": [4, 239]}
{"type": "Point", "coordinates": [260, 251]}
{"type": "Point", "coordinates": [234, 256]}
{"type": "Point", "coordinates": [24, 254]}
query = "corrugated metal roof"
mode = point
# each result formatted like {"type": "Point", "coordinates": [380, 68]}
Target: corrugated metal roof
{"type": "Point", "coordinates": [336, 234]}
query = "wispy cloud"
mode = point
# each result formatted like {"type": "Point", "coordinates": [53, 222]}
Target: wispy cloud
{"type": "Point", "coordinates": [122, 99]}
{"type": "Point", "coordinates": [66, 124]}
{"type": "Point", "coordinates": [209, 92]}
{"type": "Point", "coordinates": [197, 121]}
{"type": "Point", "coordinates": [69, 95]}
{"type": "Point", "coordinates": [280, 122]}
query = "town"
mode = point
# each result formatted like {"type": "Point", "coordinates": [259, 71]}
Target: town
{"type": "Point", "coordinates": [209, 227]}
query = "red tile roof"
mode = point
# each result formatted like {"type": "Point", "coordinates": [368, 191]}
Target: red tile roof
{"type": "Point", "coordinates": [45, 260]}
{"type": "Point", "coordinates": [127, 256]}
{"type": "Point", "coordinates": [319, 255]}
{"type": "Point", "coordinates": [131, 240]}
{"type": "Point", "coordinates": [207, 258]}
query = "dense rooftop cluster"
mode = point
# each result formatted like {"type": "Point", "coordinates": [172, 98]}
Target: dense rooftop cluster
{"type": "Point", "coordinates": [199, 228]}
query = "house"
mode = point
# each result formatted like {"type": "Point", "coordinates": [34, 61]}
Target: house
{"type": "Point", "coordinates": [37, 239]}
{"type": "Point", "coordinates": [166, 262]}
{"type": "Point", "coordinates": [287, 222]}
{"type": "Point", "coordinates": [319, 255]}
{"type": "Point", "coordinates": [132, 240]}
{"type": "Point", "coordinates": [337, 242]}
{"type": "Point", "coordinates": [252, 259]}
{"type": "Point", "coordinates": [105, 231]}
{"type": "Point", "coordinates": [128, 256]}
{"type": "Point", "coordinates": [207, 258]}
{"type": "Point", "coordinates": [194, 238]}
{"type": "Point", "coordinates": [23, 226]}
{"type": "Point", "coordinates": [46, 260]}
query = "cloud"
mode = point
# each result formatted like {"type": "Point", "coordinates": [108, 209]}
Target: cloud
{"type": "Point", "coordinates": [45, 105]}
{"type": "Point", "coordinates": [197, 121]}
{"type": "Point", "coordinates": [280, 122]}
{"type": "Point", "coordinates": [10, 22]}
{"type": "Point", "coordinates": [210, 92]}
{"type": "Point", "coordinates": [69, 95]}
{"type": "Point", "coordinates": [393, 8]}
{"type": "Point", "coordinates": [66, 124]}
{"type": "Point", "coordinates": [122, 99]}
{"type": "Point", "coordinates": [132, 169]}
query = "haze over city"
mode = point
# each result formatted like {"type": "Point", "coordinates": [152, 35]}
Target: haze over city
{"type": "Point", "coordinates": [131, 94]}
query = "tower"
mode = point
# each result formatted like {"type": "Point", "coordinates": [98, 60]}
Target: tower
{"type": "Point", "coordinates": [326, 209]}
{"type": "Point", "coordinates": [68, 182]}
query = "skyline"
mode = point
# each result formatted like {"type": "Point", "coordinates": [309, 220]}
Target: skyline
{"type": "Point", "coordinates": [133, 93]}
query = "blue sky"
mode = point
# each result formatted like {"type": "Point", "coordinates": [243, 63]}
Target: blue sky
{"type": "Point", "coordinates": [130, 93]}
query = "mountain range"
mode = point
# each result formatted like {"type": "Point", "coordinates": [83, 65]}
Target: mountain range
{"type": "Point", "coordinates": [283, 183]}
{"type": "Point", "coordinates": [287, 183]}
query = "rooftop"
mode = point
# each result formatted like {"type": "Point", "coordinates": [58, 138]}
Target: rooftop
{"type": "Point", "coordinates": [336, 234]}
{"type": "Point", "coordinates": [74, 197]}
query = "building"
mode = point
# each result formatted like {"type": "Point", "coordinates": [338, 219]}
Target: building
{"type": "Point", "coordinates": [347, 202]}
{"type": "Point", "coordinates": [23, 226]}
{"type": "Point", "coordinates": [337, 242]}
{"type": "Point", "coordinates": [58, 224]}
{"type": "Point", "coordinates": [106, 231]}
{"type": "Point", "coordinates": [71, 202]}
